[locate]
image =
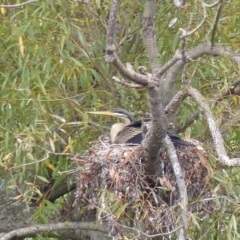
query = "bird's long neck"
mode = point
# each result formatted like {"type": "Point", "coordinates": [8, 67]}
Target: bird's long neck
{"type": "Point", "coordinates": [115, 129]}
{"type": "Point", "coordinates": [127, 121]}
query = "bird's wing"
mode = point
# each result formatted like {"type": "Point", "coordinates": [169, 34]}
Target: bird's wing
{"type": "Point", "coordinates": [129, 135]}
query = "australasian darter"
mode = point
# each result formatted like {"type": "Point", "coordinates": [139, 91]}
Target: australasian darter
{"type": "Point", "coordinates": [131, 131]}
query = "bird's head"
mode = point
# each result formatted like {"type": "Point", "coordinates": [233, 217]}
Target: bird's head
{"type": "Point", "coordinates": [118, 112]}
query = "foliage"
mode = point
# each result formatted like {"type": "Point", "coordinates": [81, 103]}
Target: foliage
{"type": "Point", "coordinates": [53, 71]}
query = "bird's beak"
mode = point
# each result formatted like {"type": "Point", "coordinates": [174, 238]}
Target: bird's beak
{"type": "Point", "coordinates": [107, 113]}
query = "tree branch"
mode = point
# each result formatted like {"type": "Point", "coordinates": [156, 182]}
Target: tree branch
{"type": "Point", "coordinates": [216, 19]}
{"type": "Point", "coordinates": [150, 36]}
{"type": "Point", "coordinates": [152, 143]}
{"type": "Point", "coordinates": [182, 189]}
{"type": "Point", "coordinates": [216, 135]}
{"type": "Point", "coordinates": [18, 5]}
{"type": "Point", "coordinates": [124, 83]}
{"type": "Point", "coordinates": [28, 231]}
{"type": "Point", "coordinates": [194, 53]}
{"type": "Point", "coordinates": [111, 55]}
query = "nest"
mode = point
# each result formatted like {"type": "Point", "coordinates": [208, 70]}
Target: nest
{"type": "Point", "coordinates": [112, 180]}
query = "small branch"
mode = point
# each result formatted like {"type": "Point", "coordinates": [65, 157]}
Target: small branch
{"type": "Point", "coordinates": [212, 5]}
{"type": "Point", "coordinates": [189, 121]}
{"type": "Point", "coordinates": [182, 189]}
{"type": "Point", "coordinates": [145, 234]}
{"type": "Point", "coordinates": [216, 19]}
{"type": "Point", "coordinates": [188, 33]}
{"type": "Point", "coordinates": [28, 231]}
{"type": "Point", "coordinates": [185, 82]}
{"type": "Point", "coordinates": [183, 44]}
{"type": "Point", "coordinates": [124, 83]}
{"type": "Point", "coordinates": [169, 64]}
{"type": "Point", "coordinates": [230, 91]}
{"type": "Point", "coordinates": [216, 135]}
{"type": "Point", "coordinates": [175, 103]}
{"type": "Point", "coordinates": [233, 121]}
{"type": "Point", "coordinates": [81, 1]}
{"type": "Point", "coordinates": [18, 5]}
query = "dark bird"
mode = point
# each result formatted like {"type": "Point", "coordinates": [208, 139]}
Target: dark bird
{"type": "Point", "coordinates": [131, 131]}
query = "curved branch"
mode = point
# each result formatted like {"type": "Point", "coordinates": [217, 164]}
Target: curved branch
{"type": "Point", "coordinates": [216, 135]}
{"type": "Point", "coordinates": [212, 5]}
{"type": "Point", "coordinates": [18, 5]}
{"type": "Point", "coordinates": [111, 55]}
{"type": "Point", "coordinates": [24, 232]}
{"type": "Point", "coordinates": [199, 51]}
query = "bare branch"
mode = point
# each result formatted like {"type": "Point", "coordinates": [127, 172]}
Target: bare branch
{"type": "Point", "coordinates": [151, 144]}
{"type": "Point", "coordinates": [145, 234]}
{"type": "Point", "coordinates": [150, 36]}
{"type": "Point", "coordinates": [169, 64]}
{"type": "Point", "coordinates": [216, 135]}
{"type": "Point", "coordinates": [197, 52]}
{"type": "Point", "coordinates": [182, 189]}
{"type": "Point", "coordinates": [23, 232]}
{"type": "Point", "coordinates": [232, 90]}
{"type": "Point", "coordinates": [110, 48]}
{"type": "Point", "coordinates": [216, 19]}
{"type": "Point", "coordinates": [18, 5]}
{"type": "Point", "coordinates": [212, 5]}
{"type": "Point", "coordinates": [189, 121]}
{"type": "Point", "coordinates": [175, 103]}
{"type": "Point", "coordinates": [111, 55]}
{"type": "Point", "coordinates": [185, 82]}
{"type": "Point", "coordinates": [123, 82]}
{"type": "Point", "coordinates": [81, 1]}
{"type": "Point", "coordinates": [188, 33]}
{"type": "Point", "coordinates": [233, 121]}
{"type": "Point", "coordinates": [183, 45]}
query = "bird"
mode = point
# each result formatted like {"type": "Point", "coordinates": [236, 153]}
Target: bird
{"type": "Point", "coordinates": [131, 131]}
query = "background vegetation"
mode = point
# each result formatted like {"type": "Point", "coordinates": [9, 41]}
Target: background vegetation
{"type": "Point", "coordinates": [52, 71]}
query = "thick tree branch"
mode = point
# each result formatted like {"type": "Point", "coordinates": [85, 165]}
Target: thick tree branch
{"type": "Point", "coordinates": [150, 36]}
{"type": "Point", "coordinates": [197, 52]}
{"type": "Point", "coordinates": [152, 143]}
{"type": "Point", "coordinates": [124, 83]}
{"type": "Point", "coordinates": [29, 231]}
{"type": "Point", "coordinates": [111, 55]}
{"type": "Point", "coordinates": [216, 135]}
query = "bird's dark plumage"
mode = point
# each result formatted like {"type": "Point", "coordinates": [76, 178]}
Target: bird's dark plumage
{"type": "Point", "coordinates": [131, 131]}
{"type": "Point", "coordinates": [136, 136]}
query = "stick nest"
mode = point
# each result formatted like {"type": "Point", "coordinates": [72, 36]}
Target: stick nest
{"type": "Point", "coordinates": [111, 179]}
